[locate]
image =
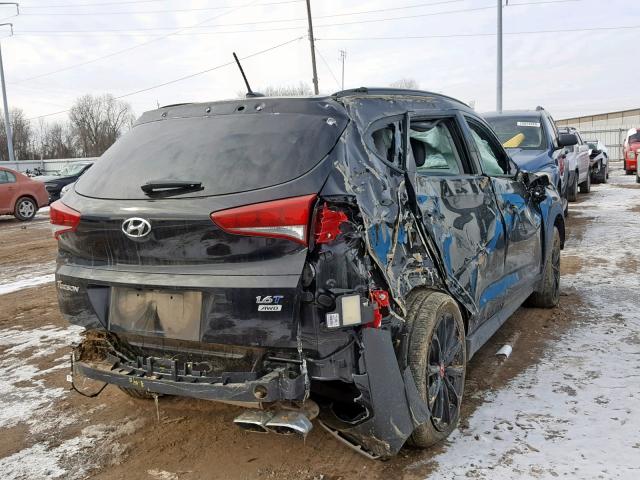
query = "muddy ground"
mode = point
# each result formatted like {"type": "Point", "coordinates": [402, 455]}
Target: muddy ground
{"type": "Point", "coordinates": [48, 432]}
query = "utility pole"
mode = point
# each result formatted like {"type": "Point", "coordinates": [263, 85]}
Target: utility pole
{"type": "Point", "coordinates": [7, 122]}
{"type": "Point", "coordinates": [343, 55]}
{"type": "Point", "coordinates": [499, 78]}
{"type": "Point", "coordinates": [313, 49]}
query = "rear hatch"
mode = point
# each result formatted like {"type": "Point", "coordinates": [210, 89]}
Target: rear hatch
{"type": "Point", "coordinates": [194, 225]}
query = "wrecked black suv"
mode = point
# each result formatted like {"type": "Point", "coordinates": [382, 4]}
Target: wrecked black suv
{"type": "Point", "coordinates": [340, 256]}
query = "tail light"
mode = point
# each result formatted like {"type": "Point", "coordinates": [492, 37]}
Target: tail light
{"type": "Point", "coordinates": [328, 224]}
{"type": "Point", "coordinates": [287, 218]}
{"type": "Point", "coordinates": [63, 218]}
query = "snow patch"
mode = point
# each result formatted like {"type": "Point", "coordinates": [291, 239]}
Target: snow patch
{"type": "Point", "coordinates": [73, 458]}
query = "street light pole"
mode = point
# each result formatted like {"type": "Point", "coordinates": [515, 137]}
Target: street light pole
{"type": "Point", "coordinates": [7, 122]}
{"type": "Point", "coordinates": [499, 73]}
{"type": "Point", "coordinates": [313, 49]}
{"type": "Point", "coordinates": [343, 55]}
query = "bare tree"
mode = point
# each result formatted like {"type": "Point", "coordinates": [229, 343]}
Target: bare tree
{"type": "Point", "coordinates": [54, 140]}
{"type": "Point", "coordinates": [23, 138]}
{"type": "Point", "coordinates": [97, 122]}
{"type": "Point", "coordinates": [408, 83]}
{"type": "Point", "coordinates": [300, 90]}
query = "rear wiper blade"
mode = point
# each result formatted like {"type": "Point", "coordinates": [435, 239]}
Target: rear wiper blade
{"type": "Point", "coordinates": [157, 186]}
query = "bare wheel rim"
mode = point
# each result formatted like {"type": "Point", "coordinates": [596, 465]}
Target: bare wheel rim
{"type": "Point", "coordinates": [445, 372]}
{"type": "Point", "coordinates": [26, 209]}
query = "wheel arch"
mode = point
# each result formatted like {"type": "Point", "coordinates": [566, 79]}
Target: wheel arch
{"type": "Point", "coordinates": [24, 195]}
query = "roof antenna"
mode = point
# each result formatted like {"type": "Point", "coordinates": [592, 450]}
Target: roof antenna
{"type": "Point", "coordinates": [250, 93]}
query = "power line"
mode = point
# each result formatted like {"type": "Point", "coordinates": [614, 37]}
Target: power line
{"type": "Point", "coordinates": [200, 25]}
{"type": "Point", "coordinates": [128, 49]}
{"type": "Point", "coordinates": [148, 12]}
{"type": "Point", "coordinates": [185, 77]}
{"type": "Point", "coordinates": [474, 35]}
{"type": "Point", "coordinates": [283, 20]}
{"type": "Point", "coordinates": [101, 4]}
{"type": "Point", "coordinates": [327, 65]}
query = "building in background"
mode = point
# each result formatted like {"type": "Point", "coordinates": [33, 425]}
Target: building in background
{"type": "Point", "coordinates": [609, 128]}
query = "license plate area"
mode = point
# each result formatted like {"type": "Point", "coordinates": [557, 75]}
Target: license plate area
{"type": "Point", "coordinates": [160, 313]}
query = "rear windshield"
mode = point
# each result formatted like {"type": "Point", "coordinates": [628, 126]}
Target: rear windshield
{"type": "Point", "coordinates": [519, 132]}
{"type": "Point", "coordinates": [226, 153]}
{"type": "Point", "coordinates": [635, 138]}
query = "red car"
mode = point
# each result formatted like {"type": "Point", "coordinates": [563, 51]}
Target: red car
{"type": "Point", "coordinates": [631, 150]}
{"type": "Point", "coordinates": [19, 195]}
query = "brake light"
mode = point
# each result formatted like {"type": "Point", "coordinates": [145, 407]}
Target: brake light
{"type": "Point", "coordinates": [63, 218]}
{"type": "Point", "coordinates": [287, 218]}
{"type": "Point", "coordinates": [328, 224]}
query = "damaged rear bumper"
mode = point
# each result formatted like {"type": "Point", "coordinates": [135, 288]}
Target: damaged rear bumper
{"type": "Point", "coordinates": [232, 387]}
{"type": "Point", "coordinates": [388, 396]}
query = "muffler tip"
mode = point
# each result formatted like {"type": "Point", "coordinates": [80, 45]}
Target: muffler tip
{"type": "Point", "coordinates": [254, 421]}
{"type": "Point", "coordinates": [290, 423]}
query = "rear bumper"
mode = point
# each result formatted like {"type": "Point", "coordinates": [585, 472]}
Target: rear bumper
{"type": "Point", "coordinates": [631, 164]}
{"type": "Point", "coordinates": [234, 387]}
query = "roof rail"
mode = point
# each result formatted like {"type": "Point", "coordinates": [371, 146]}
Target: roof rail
{"type": "Point", "coordinates": [392, 91]}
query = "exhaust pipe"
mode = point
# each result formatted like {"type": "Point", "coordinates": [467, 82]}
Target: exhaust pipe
{"type": "Point", "coordinates": [288, 422]}
{"type": "Point", "coordinates": [254, 420]}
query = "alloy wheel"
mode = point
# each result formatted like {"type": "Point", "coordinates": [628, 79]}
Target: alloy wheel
{"type": "Point", "coordinates": [26, 209]}
{"type": "Point", "coordinates": [445, 371]}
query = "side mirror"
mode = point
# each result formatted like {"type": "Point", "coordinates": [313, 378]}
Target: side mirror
{"type": "Point", "coordinates": [567, 140]}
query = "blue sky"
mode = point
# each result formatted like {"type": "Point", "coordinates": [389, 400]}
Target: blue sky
{"type": "Point", "coordinates": [569, 72]}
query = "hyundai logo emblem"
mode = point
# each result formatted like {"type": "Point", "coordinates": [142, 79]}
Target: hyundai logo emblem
{"type": "Point", "coordinates": [135, 227]}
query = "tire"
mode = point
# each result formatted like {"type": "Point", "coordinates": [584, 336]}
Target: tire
{"type": "Point", "coordinates": [549, 296]}
{"type": "Point", "coordinates": [434, 317]}
{"type": "Point", "coordinates": [138, 394]}
{"type": "Point", "coordinates": [25, 209]}
{"type": "Point", "coordinates": [637, 178]}
{"type": "Point", "coordinates": [572, 190]}
{"type": "Point", "coordinates": [605, 175]}
{"type": "Point", "coordinates": [585, 187]}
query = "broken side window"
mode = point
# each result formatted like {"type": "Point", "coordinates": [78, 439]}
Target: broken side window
{"type": "Point", "coordinates": [493, 161]}
{"type": "Point", "coordinates": [386, 143]}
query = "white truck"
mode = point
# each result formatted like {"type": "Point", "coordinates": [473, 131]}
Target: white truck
{"type": "Point", "coordinates": [578, 164]}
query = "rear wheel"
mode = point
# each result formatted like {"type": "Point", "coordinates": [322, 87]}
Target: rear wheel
{"type": "Point", "coordinates": [549, 296]}
{"type": "Point", "coordinates": [585, 187]}
{"type": "Point", "coordinates": [26, 209]}
{"type": "Point", "coordinates": [139, 394]}
{"type": "Point", "coordinates": [437, 358]}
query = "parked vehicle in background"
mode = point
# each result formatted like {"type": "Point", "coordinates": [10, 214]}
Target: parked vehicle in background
{"type": "Point", "coordinates": [66, 188]}
{"type": "Point", "coordinates": [578, 164]}
{"type": "Point", "coordinates": [20, 195]}
{"type": "Point", "coordinates": [357, 251]}
{"type": "Point", "coordinates": [37, 171]}
{"type": "Point", "coordinates": [533, 141]}
{"type": "Point", "coordinates": [69, 174]}
{"type": "Point", "coordinates": [631, 151]}
{"type": "Point", "coordinates": [598, 161]}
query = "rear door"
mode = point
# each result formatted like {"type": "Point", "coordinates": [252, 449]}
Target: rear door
{"type": "Point", "coordinates": [522, 220]}
{"type": "Point", "coordinates": [459, 211]}
{"type": "Point", "coordinates": [7, 191]}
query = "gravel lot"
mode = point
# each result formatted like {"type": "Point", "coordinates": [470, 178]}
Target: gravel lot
{"type": "Point", "coordinates": [563, 405]}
